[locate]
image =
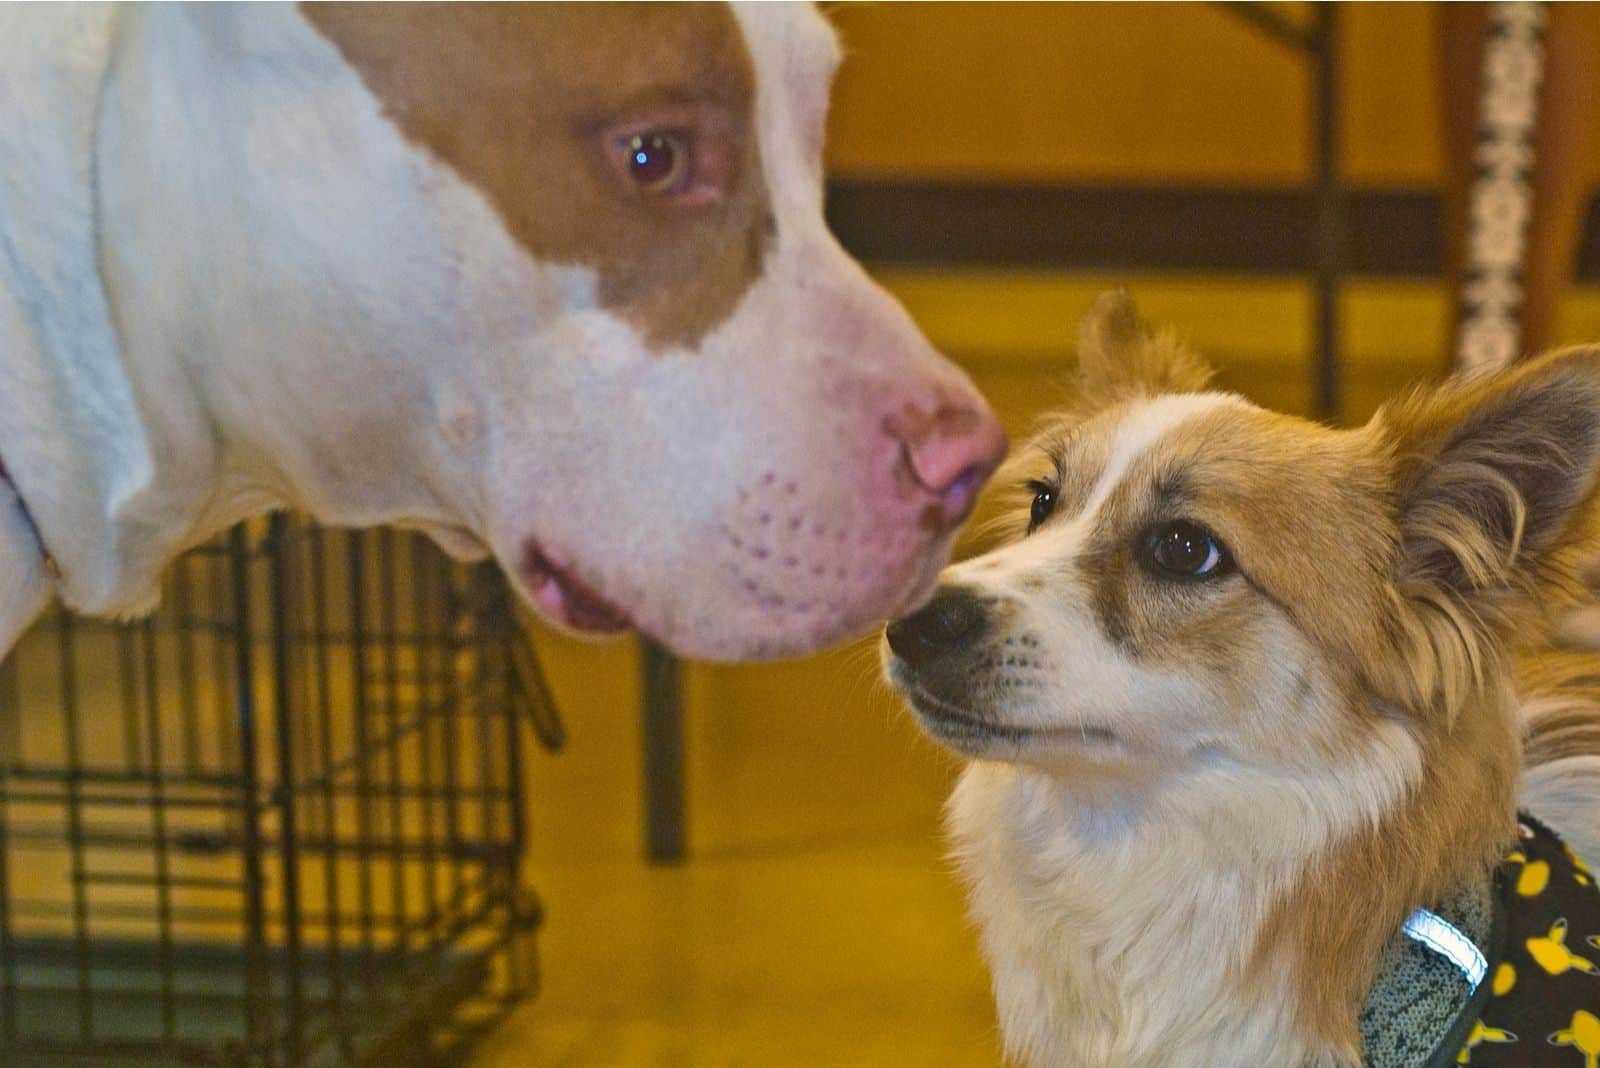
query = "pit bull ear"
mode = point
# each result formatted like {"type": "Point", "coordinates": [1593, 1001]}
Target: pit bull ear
{"type": "Point", "coordinates": [1494, 478]}
{"type": "Point", "coordinates": [1119, 356]}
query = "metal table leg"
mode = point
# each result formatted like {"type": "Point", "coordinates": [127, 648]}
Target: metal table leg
{"type": "Point", "coordinates": [661, 708]}
{"type": "Point", "coordinates": [1329, 193]}
{"type": "Point", "coordinates": [1318, 42]}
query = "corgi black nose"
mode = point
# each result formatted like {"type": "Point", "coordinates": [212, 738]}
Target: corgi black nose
{"type": "Point", "coordinates": [945, 626]}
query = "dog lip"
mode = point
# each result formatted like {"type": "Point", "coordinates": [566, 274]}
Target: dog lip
{"type": "Point", "coordinates": [565, 597]}
{"type": "Point", "coordinates": [960, 727]}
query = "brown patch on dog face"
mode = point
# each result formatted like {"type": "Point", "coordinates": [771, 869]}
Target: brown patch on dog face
{"type": "Point", "coordinates": [1299, 508]}
{"type": "Point", "coordinates": [527, 102]}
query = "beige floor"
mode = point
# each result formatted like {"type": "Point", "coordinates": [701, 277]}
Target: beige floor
{"type": "Point", "coordinates": [815, 923]}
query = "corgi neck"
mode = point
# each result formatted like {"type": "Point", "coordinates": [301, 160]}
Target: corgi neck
{"type": "Point", "coordinates": [1142, 933]}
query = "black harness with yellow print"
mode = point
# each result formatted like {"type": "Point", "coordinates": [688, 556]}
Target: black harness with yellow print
{"type": "Point", "coordinates": [1544, 1005]}
{"type": "Point", "coordinates": [1506, 974]}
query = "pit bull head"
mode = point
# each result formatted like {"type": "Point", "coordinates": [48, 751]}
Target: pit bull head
{"type": "Point", "coordinates": [550, 282]}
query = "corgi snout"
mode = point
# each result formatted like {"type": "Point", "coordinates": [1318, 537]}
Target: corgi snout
{"type": "Point", "coordinates": [961, 666]}
{"type": "Point", "coordinates": [953, 622]}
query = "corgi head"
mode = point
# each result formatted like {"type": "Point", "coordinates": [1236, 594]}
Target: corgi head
{"type": "Point", "coordinates": [1198, 579]}
{"type": "Point", "coordinates": [1256, 648]}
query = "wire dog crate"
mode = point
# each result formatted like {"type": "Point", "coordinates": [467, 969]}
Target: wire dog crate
{"type": "Point", "coordinates": [278, 823]}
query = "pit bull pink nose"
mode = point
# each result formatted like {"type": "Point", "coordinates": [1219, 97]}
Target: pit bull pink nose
{"type": "Point", "coordinates": [951, 454]}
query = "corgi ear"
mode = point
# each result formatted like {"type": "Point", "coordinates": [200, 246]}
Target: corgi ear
{"type": "Point", "coordinates": [1120, 357]}
{"type": "Point", "coordinates": [1492, 475]}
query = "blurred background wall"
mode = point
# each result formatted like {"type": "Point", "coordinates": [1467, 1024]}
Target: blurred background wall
{"type": "Point", "coordinates": [997, 165]}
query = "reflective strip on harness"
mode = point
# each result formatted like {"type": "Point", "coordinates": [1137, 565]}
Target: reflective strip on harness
{"type": "Point", "coordinates": [1441, 936]}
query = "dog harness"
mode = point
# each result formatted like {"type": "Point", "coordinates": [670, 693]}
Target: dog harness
{"type": "Point", "coordinates": [1505, 973]}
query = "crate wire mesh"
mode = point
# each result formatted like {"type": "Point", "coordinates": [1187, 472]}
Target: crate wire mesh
{"type": "Point", "coordinates": [278, 823]}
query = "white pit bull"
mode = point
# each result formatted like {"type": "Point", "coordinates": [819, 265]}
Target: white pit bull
{"type": "Point", "coordinates": [551, 283]}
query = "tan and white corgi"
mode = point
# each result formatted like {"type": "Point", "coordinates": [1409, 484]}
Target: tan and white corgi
{"type": "Point", "coordinates": [1245, 692]}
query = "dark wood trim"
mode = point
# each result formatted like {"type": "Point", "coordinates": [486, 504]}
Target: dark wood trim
{"type": "Point", "coordinates": [1391, 232]}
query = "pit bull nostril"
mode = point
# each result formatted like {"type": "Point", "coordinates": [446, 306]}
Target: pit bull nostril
{"type": "Point", "coordinates": [954, 442]}
{"type": "Point", "coordinates": [950, 454]}
{"type": "Point", "coordinates": [962, 493]}
{"type": "Point", "coordinates": [945, 626]}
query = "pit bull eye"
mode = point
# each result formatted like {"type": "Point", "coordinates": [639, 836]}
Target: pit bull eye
{"type": "Point", "coordinates": [1044, 502]}
{"type": "Point", "coordinates": [658, 160]}
{"type": "Point", "coordinates": [1183, 550]}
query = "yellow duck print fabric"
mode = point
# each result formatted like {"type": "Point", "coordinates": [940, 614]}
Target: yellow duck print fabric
{"type": "Point", "coordinates": [1582, 1035]}
{"type": "Point", "coordinates": [1544, 1009]}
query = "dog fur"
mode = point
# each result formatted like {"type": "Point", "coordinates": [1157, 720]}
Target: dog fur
{"type": "Point", "coordinates": [385, 265]}
{"type": "Point", "coordinates": [1197, 809]}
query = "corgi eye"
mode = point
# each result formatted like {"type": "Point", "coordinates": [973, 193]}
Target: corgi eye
{"type": "Point", "coordinates": [1184, 550]}
{"type": "Point", "coordinates": [1044, 502]}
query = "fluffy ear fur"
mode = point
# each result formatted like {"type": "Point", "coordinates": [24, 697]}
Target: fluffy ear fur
{"type": "Point", "coordinates": [1493, 479]}
{"type": "Point", "coordinates": [1120, 357]}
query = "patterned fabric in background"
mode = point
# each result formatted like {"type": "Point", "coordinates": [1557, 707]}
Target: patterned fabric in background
{"type": "Point", "coordinates": [1490, 335]}
{"type": "Point", "coordinates": [1544, 1011]}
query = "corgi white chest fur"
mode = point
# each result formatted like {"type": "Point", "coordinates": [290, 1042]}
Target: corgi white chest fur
{"type": "Point", "coordinates": [1093, 957]}
{"type": "Point", "coordinates": [1120, 926]}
